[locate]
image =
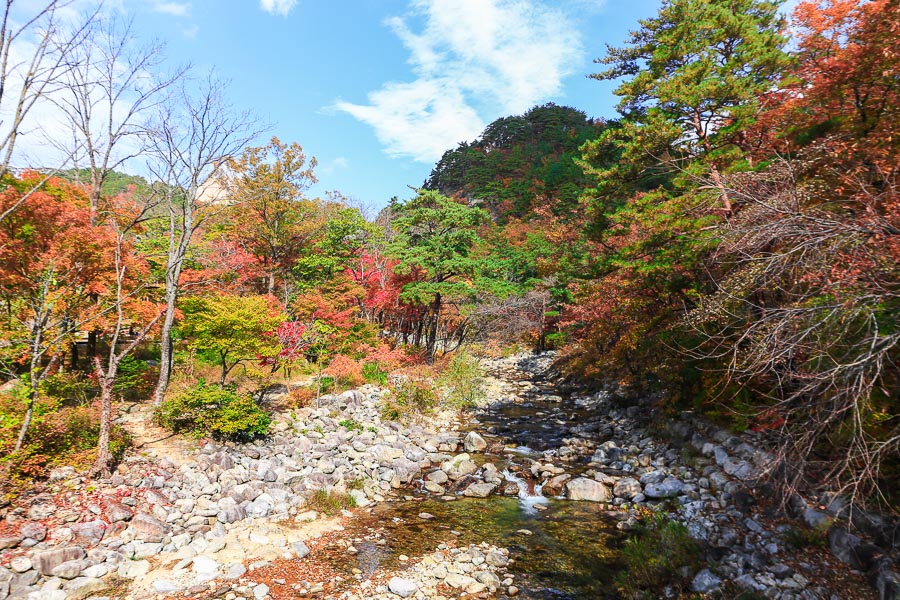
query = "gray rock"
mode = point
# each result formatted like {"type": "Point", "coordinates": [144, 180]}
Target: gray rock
{"type": "Point", "coordinates": [480, 490]}
{"type": "Point", "coordinates": [231, 515]}
{"type": "Point", "coordinates": [668, 488]}
{"type": "Point", "coordinates": [740, 469]}
{"type": "Point", "coordinates": [82, 587]}
{"type": "Point", "coordinates": [260, 591]}
{"type": "Point", "coordinates": [147, 528]}
{"type": "Point", "coordinates": [131, 569]}
{"type": "Point", "coordinates": [259, 508]}
{"type": "Point", "coordinates": [402, 587]}
{"type": "Point", "coordinates": [20, 564]}
{"type": "Point", "coordinates": [34, 531]}
{"type": "Point", "coordinates": [91, 531]}
{"type": "Point", "coordinates": [843, 544]}
{"type": "Point", "coordinates": [164, 586]}
{"type": "Point", "coordinates": [235, 571]}
{"type": "Point", "coordinates": [300, 549]}
{"type": "Point", "coordinates": [582, 488]}
{"type": "Point", "coordinates": [70, 569]}
{"type": "Point", "coordinates": [46, 561]}
{"type": "Point", "coordinates": [10, 541]}
{"type": "Point", "coordinates": [438, 477]}
{"type": "Point", "coordinates": [816, 518]}
{"type": "Point", "coordinates": [459, 466]}
{"type": "Point", "coordinates": [116, 511]}
{"type": "Point", "coordinates": [204, 566]}
{"type": "Point", "coordinates": [627, 488]}
{"type": "Point", "coordinates": [705, 582]}
{"type": "Point", "coordinates": [474, 442]}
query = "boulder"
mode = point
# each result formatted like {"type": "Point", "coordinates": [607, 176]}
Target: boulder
{"type": "Point", "coordinates": [668, 488]}
{"type": "Point", "coordinates": [90, 532]}
{"type": "Point", "coordinates": [474, 442]}
{"type": "Point", "coordinates": [705, 582]}
{"type": "Point", "coordinates": [480, 490]}
{"type": "Point", "coordinates": [582, 488]}
{"type": "Point", "coordinates": [402, 587]}
{"type": "Point", "coordinates": [627, 488]}
{"type": "Point", "coordinates": [83, 587]}
{"type": "Point", "coordinates": [459, 466]}
{"type": "Point", "coordinates": [48, 560]}
{"type": "Point", "coordinates": [147, 528]}
{"type": "Point", "coordinates": [116, 511]}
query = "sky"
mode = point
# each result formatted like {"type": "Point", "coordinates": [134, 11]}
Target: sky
{"type": "Point", "coordinates": [377, 90]}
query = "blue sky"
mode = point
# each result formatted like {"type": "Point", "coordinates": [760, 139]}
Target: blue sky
{"type": "Point", "coordinates": [378, 89]}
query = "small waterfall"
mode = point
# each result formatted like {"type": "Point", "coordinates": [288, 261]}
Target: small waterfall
{"type": "Point", "coordinates": [529, 492]}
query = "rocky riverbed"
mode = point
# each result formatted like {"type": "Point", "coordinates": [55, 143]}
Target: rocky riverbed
{"type": "Point", "coordinates": [244, 521]}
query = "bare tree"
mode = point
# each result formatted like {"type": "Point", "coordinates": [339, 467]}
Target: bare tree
{"type": "Point", "coordinates": [194, 135]}
{"type": "Point", "coordinates": [123, 225]}
{"type": "Point", "coordinates": [36, 51]}
{"type": "Point", "coordinates": [108, 95]}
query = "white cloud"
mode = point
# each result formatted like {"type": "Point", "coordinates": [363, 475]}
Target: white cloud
{"type": "Point", "coordinates": [331, 166]}
{"type": "Point", "coordinates": [175, 9]}
{"type": "Point", "coordinates": [277, 7]}
{"type": "Point", "coordinates": [503, 56]}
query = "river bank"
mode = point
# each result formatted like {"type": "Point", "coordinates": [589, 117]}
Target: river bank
{"type": "Point", "coordinates": [549, 479]}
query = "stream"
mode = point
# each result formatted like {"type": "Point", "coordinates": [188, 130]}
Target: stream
{"type": "Point", "coordinates": [561, 549]}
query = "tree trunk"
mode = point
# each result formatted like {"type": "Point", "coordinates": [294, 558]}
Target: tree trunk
{"type": "Point", "coordinates": [103, 465]}
{"type": "Point", "coordinates": [430, 347]}
{"type": "Point", "coordinates": [165, 355]}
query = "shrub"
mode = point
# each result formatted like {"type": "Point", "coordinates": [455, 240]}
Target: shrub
{"type": "Point", "coordinates": [330, 502]}
{"type": "Point", "coordinates": [374, 375]}
{"type": "Point", "coordinates": [409, 397]}
{"type": "Point", "coordinates": [657, 555]}
{"type": "Point", "coordinates": [70, 388]}
{"type": "Point", "coordinates": [346, 371]}
{"type": "Point", "coordinates": [463, 381]}
{"type": "Point", "coordinates": [351, 425]}
{"type": "Point", "coordinates": [59, 435]}
{"type": "Point", "coordinates": [210, 410]}
{"type": "Point", "coordinates": [134, 381]}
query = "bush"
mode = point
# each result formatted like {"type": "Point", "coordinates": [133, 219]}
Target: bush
{"type": "Point", "coordinates": [330, 502]}
{"type": "Point", "coordinates": [373, 374]}
{"type": "Point", "coordinates": [210, 410]}
{"type": "Point", "coordinates": [657, 557]}
{"type": "Point", "coordinates": [134, 381]}
{"type": "Point", "coordinates": [409, 397]}
{"type": "Point", "coordinates": [463, 381]}
{"type": "Point", "coordinates": [347, 373]}
{"type": "Point", "coordinates": [59, 435]}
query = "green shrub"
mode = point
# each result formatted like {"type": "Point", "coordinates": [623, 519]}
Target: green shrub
{"type": "Point", "coordinates": [210, 410]}
{"type": "Point", "coordinates": [462, 380]}
{"type": "Point", "coordinates": [70, 388]}
{"type": "Point", "coordinates": [410, 397]}
{"type": "Point", "coordinates": [656, 555]}
{"type": "Point", "coordinates": [134, 381]}
{"type": "Point", "coordinates": [329, 502]}
{"type": "Point", "coordinates": [372, 374]}
{"type": "Point", "coordinates": [351, 425]}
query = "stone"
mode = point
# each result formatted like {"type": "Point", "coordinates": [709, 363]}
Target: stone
{"type": "Point", "coordinates": [459, 466]}
{"type": "Point", "coordinates": [34, 531]}
{"type": "Point", "coordinates": [474, 442]}
{"type": "Point", "coordinates": [843, 544]}
{"type": "Point", "coordinates": [260, 591]}
{"type": "Point", "coordinates": [10, 541]}
{"type": "Point", "coordinates": [131, 569]}
{"type": "Point", "coordinates": [48, 560]}
{"type": "Point", "coordinates": [70, 569]}
{"type": "Point", "coordinates": [668, 488]}
{"type": "Point", "coordinates": [83, 587]}
{"type": "Point", "coordinates": [627, 488]}
{"type": "Point", "coordinates": [402, 587]}
{"type": "Point", "coordinates": [480, 490]}
{"type": "Point", "coordinates": [147, 528]}
{"type": "Point", "coordinates": [259, 508]}
{"type": "Point", "coordinates": [459, 581]}
{"type": "Point", "coordinates": [705, 582]}
{"type": "Point", "coordinates": [116, 511]}
{"type": "Point", "coordinates": [231, 515]}
{"type": "Point", "coordinates": [582, 488]}
{"type": "Point", "coordinates": [164, 586]}
{"type": "Point", "coordinates": [235, 571]}
{"type": "Point", "coordinates": [205, 566]}
{"type": "Point", "coordinates": [739, 469]}
{"type": "Point", "coordinates": [91, 531]}
{"type": "Point", "coordinates": [816, 519]}
{"type": "Point", "coordinates": [437, 477]}
{"type": "Point", "coordinates": [20, 564]}
{"type": "Point", "coordinates": [300, 549]}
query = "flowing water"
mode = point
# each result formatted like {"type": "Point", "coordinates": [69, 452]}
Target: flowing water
{"type": "Point", "coordinates": [561, 549]}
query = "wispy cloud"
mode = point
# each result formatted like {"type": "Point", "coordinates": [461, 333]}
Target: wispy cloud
{"type": "Point", "coordinates": [331, 166]}
{"type": "Point", "coordinates": [278, 7]}
{"type": "Point", "coordinates": [501, 56]}
{"type": "Point", "coordinates": [176, 9]}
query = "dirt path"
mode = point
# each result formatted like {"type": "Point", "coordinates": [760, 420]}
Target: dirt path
{"type": "Point", "coordinates": [152, 440]}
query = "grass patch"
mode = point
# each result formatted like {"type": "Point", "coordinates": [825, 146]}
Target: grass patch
{"type": "Point", "coordinates": [657, 557]}
{"type": "Point", "coordinates": [329, 502]}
